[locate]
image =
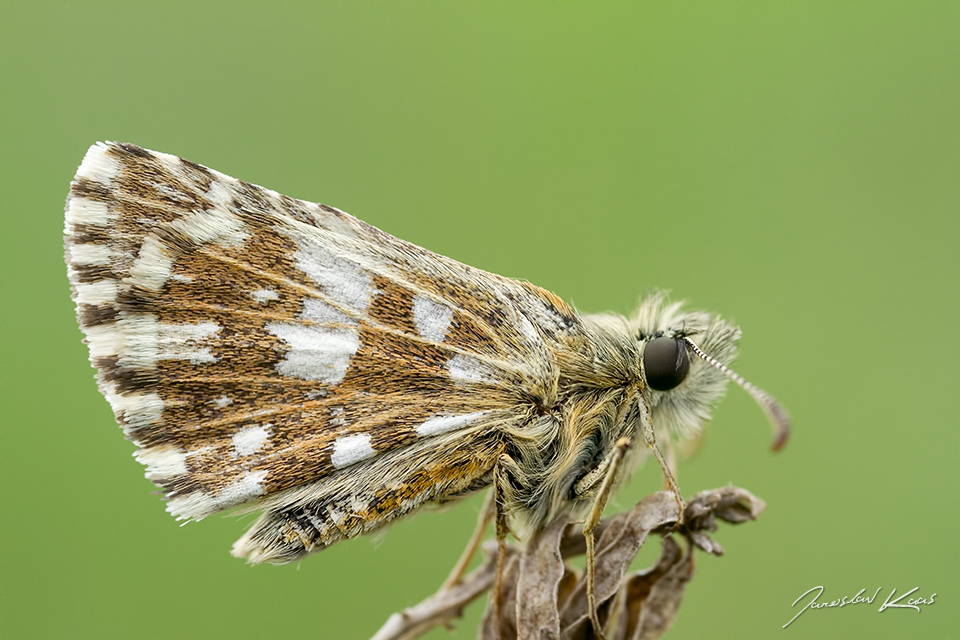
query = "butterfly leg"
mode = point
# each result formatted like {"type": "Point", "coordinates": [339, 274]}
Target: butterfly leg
{"type": "Point", "coordinates": [651, 441]}
{"type": "Point", "coordinates": [608, 467]}
{"type": "Point", "coordinates": [486, 515]}
{"type": "Point", "coordinates": [670, 455]}
{"type": "Point", "coordinates": [502, 530]}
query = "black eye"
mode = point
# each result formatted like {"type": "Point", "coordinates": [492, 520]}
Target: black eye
{"type": "Point", "coordinates": [665, 362]}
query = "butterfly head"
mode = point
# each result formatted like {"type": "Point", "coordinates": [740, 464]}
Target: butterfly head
{"type": "Point", "coordinates": [684, 367]}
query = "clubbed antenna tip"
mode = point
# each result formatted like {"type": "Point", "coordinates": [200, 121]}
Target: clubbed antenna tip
{"type": "Point", "coordinates": [779, 419]}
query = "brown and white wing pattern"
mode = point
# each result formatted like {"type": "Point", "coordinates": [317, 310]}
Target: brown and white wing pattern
{"type": "Point", "coordinates": [253, 345]}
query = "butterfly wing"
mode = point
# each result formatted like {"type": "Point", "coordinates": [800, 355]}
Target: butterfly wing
{"type": "Point", "coordinates": [255, 347]}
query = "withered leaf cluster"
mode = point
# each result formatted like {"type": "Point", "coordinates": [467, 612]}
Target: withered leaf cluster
{"type": "Point", "coordinates": [543, 597]}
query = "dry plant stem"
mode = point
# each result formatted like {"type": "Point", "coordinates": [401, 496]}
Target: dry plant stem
{"type": "Point", "coordinates": [590, 526]}
{"type": "Point", "coordinates": [486, 515]}
{"type": "Point", "coordinates": [445, 605]}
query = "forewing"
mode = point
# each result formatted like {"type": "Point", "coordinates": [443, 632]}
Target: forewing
{"type": "Point", "coordinates": [250, 343]}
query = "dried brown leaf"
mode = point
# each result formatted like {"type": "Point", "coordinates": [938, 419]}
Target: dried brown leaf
{"type": "Point", "coordinates": [541, 597]}
{"type": "Point", "coordinates": [617, 547]}
{"type": "Point", "coordinates": [653, 596]}
{"type": "Point", "coordinates": [568, 583]}
{"type": "Point", "coordinates": [541, 569]}
{"type": "Point", "coordinates": [730, 504]}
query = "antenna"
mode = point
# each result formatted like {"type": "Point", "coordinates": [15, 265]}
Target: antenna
{"type": "Point", "coordinates": [777, 415]}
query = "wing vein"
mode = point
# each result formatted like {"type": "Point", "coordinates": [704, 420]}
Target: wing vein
{"type": "Point", "coordinates": [501, 364]}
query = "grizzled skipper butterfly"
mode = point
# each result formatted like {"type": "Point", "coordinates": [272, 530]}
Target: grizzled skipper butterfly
{"type": "Point", "coordinates": [273, 355]}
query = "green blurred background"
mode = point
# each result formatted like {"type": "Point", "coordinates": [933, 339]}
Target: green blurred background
{"type": "Point", "coordinates": [793, 166]}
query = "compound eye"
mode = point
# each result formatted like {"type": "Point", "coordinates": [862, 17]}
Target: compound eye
{"type": "Point", "coordinates": [665, 363]}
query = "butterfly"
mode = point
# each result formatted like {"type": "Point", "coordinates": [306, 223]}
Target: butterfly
{"type": "Point", "coordinates": [273, 355]}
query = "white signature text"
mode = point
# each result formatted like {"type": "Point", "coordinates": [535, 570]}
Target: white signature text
{"type": "Point", "coordinates": [889, 603]}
